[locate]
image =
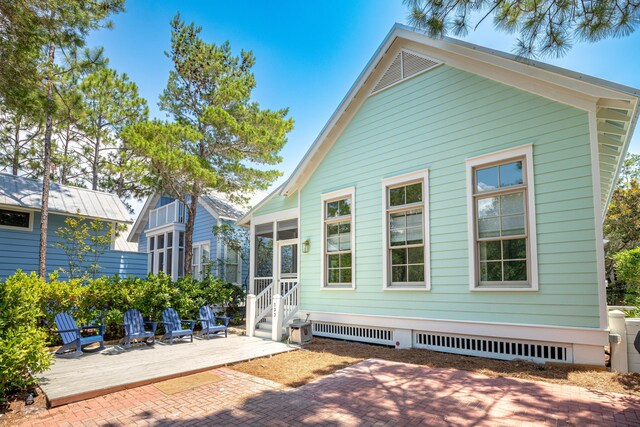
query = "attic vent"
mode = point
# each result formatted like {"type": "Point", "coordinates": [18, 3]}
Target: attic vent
{"type": "Point", "coordinates": [495, 348]}
{"type": "Point", "coordinates": [406, 64]}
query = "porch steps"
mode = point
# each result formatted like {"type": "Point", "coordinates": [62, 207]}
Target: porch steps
{"type": "Point", "coordinates": [264, 328]}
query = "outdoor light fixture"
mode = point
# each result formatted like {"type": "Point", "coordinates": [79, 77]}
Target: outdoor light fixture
{"type": "Point", "coordinates": [305, 246]}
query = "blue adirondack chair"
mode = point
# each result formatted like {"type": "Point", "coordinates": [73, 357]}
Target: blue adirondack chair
{"type": "Point", "coordinates": [209, 322]}
{"type": "Point", "coordinates": [173, 326]}
{"type": "Point", "coordinates": [72, 337]}
{"type": "Point", "coordinates": [134, 328]}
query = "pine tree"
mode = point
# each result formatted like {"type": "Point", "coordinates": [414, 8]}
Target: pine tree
{"type": "Point", "coordinates": [63, 26]}
{"type": "Point", "coordinates": [544, 27]}
{"type": "Point", "coordinates": [111, 102]}
{"type": "Point", "coordinates": [219, 138]}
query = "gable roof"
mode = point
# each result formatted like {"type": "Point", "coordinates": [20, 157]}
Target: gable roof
{"type": "Point", "coordinates": [64, 199]}
{"type": "Point", "coordinates": [615, 105]}
{"type": "Point", "coordinates": [222, 208]}
{"type": "Point", "coordinates": [213, 203]}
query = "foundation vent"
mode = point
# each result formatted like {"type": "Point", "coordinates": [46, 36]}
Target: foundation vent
{"type": "Point", "coordinates": [405, 65]}
{"type": "Point", "coordinates": [495, 348]}
{"type": "Point", "coordinates": [354, 333]}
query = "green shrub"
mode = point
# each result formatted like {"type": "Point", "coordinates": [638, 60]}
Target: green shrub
{"type": "Point", "coordinates": [107, 298]}
{"type": "Point", "coordinates": [22, 340]}
{"type": "Point", "coordinates": [627, 264]}
{"type": "Point", "coordinates": [28, 306]}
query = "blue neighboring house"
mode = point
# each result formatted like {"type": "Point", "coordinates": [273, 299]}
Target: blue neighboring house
{"type": "Point", "coordinates": [20, 203]}
{"type": "Point", "coordinates": [159, 233]}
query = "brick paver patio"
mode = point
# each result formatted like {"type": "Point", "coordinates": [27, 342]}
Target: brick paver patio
{"type": "Point", "coordinates": [374, 392]}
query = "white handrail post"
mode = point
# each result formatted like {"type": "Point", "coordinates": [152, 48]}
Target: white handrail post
{"type": "Point", "coordinates": [251, 315]}
{"type": "Point", "coordinates": [618, 341]}
{"type": "Point", "coordinates": [278, 315]}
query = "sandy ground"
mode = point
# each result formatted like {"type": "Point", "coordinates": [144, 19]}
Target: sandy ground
{"type": "Point", "coordinates": [325, 356]}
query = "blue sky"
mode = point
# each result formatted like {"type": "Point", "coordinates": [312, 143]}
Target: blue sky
{"type": "Point", "coordinates": [308, 54]}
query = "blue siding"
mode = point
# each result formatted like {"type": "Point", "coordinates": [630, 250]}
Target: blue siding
{"type": "Point", "coordinates": [202, 232]}
{"type": "Point", "coordinates": [19, 250]}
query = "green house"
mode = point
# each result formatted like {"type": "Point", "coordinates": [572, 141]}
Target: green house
{"type": "Point", "coordinates": [454, 201]}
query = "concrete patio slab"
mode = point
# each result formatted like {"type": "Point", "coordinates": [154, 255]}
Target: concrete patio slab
{"type": "Point", "coordinates": [113, 369]}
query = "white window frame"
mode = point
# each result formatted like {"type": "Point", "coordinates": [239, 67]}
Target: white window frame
{"type": "Point", "coordinates": [238, 278]}
{"type": "Point", "coordinates": [398, 181]}
{"type": "Point", "coordinates": [174, 253]}
{"type": "Point", "coordinates": [195, 266]}
{"type": "Point", "coordinates": [15, 209]}
{"type": "Point", "coordinates": [328, 197]}
{"type": "Point", "coordinates": [524, 152]}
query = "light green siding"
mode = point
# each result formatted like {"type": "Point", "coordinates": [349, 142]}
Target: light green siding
{"type": "Point", "coordinates": [436, 121]}
{"type": "Point", "coordinates": [278, 203]}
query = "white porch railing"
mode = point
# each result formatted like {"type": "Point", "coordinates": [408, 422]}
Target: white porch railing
{"type": "Point", "coordinates": [290, 301]}
{"type": "Point", "coordinates": [260, 284]}
{"type": "Point", "coordinates": [167, 214]}
{"type": "Point", "coordinates": [281, 302]}
{"type": "Point", "coordinates": [264, 302]}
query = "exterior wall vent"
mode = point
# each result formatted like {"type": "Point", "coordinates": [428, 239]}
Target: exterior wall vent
{"type": "Point", "coordinates": [495, 348]}
{"type": "Point", "coordinates": [405, 65]}
{"type": "Point", "coordinates": [354, 333]}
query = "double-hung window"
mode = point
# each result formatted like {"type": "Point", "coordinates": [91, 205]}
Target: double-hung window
{"type": "Point", "coordinates": [231, 265]}
{"type": "Point", "coordinates": [503, 221]}
{"type": "Point", "coordinates": [200, 259]}
{"type": "Point", "coordinates": [338, 239]}
{"type": "Point", "coordinates": [406, 245]}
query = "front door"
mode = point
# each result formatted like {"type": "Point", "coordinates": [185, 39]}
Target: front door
{"type": "Point", "coordinates": [287, 264]}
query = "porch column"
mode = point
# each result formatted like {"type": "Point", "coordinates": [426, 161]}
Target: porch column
{"type": "Point", "coordinates": [278, 316]}
{"type": "Point", "coordinates": [251, 315]}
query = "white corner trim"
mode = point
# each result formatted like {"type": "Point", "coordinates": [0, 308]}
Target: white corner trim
{"type": "Point", "coordinates": [419, 175]}
{"type": "Point", "coordinates": [31, 213]}
{"type": "Point", "coordinates": [525, 151]}
{"type": "Point", "coordinates": [345, 192]}
{"type": "Point", "coordinates": [598, 218]}
{"type": "Point", "coordinates": [546, 333]}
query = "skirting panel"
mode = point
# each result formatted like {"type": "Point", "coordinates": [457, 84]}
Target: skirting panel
{"type": "Point", "coordinates": [495, 348]}
{"type": "Point", "coordinates": [354, 333]}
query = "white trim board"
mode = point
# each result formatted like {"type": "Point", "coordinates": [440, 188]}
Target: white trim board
{"type": "Point", "coordinates": [546, 333]}
{"type": "Point", "coordinates": [599, 219]}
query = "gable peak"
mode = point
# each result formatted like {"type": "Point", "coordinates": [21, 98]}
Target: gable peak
{"type": "Point", "coordinates": [405, 65]}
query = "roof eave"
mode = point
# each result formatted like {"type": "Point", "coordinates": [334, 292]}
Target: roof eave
{"type": "Point", "coordinates": [588, 85]}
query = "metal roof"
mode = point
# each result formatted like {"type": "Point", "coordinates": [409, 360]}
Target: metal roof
{"type": "Point", "coordinates": [224, 209]}
{"type": "Point", "coordinates": [27, 193]}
